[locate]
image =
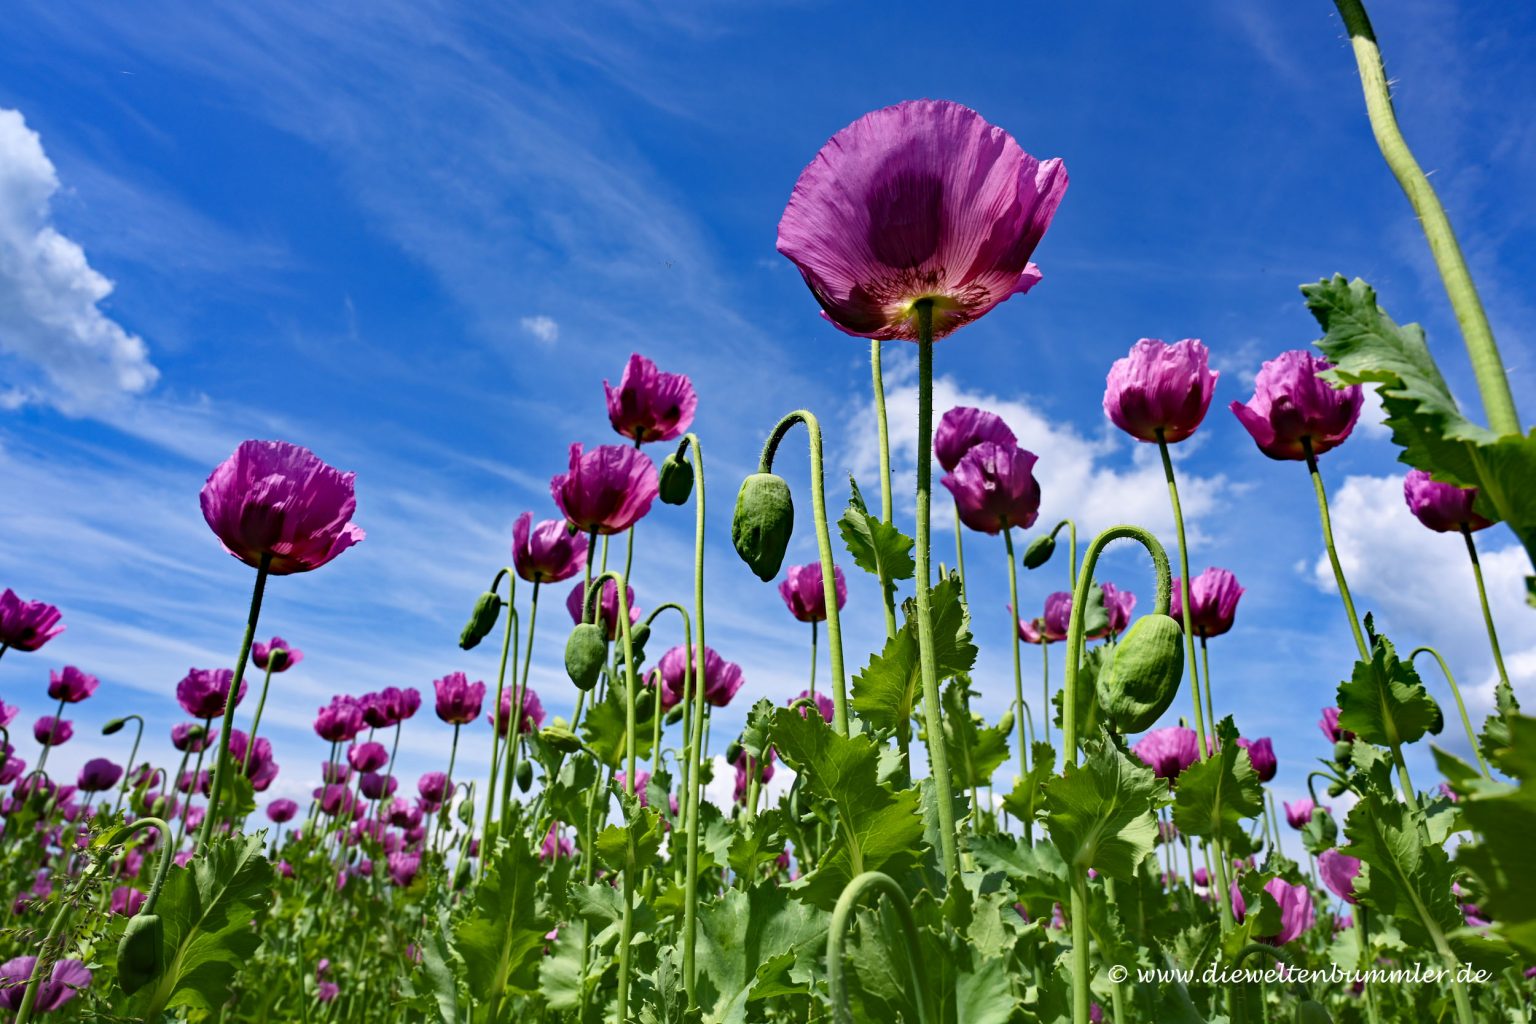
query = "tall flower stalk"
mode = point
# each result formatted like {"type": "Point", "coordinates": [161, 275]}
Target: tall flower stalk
{"type": "Point", "coordinates": [887, 587]}
{"type": "Point", "coordinates": [221, 759]}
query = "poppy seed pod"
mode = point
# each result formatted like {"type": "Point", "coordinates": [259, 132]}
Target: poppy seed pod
{"type": "Point", "coordinates": [558, 734]}
{"type": "Point", "coordinates": [585, 653]}
{"type": "Point", "coordinates": [481, 621]}
{"type": "Point", "coordinates": [140, 957]}
{"type": "Point", "coordinates": [676, 480]}
{"type": "Point", "coordinates": [1039, 551]}
{"type": "Point", "coordinates": [675, 715]}
{"type": "Point", "coordinates": [524, 775]}
{"type": "Point", "coordinates": [764, 519]}
{"type": "Point", "coordinates": [1141, 676]}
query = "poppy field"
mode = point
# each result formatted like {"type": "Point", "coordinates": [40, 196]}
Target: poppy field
{"type": "Point", "coordinates": [1110, 848]}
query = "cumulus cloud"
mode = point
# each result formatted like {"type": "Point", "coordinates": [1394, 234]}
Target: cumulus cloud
{"type": "Point", "coordinates": [1097, 480]}
{"type": "Point", "coordinates": [543, 328]}
{"type": "Point", "coordinates": [1420, 586]}
{"type": "Point", "coordinates": [50, 315]}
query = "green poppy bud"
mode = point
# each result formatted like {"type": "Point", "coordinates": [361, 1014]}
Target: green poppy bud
{"type": "Point", "coordinates": [1140, 676]}
{"type": "Point", "coordinates": [764, 519]}
{"type": "Point", "coordinates": [1343, 751]}
{"type": "Point", "coordinates": [1005, 724]}
{"type": "Point", "coordinates": [524, 775]}
{"type": "Point", "coordinates": [638, 635]}
{"type": "Point", "coordinates": [733, 751]}
{"type": "Point", "coordinates": [674, 716]}
{"type": "Point", "coordinates": [1039, 551]}
{"type": "Point", "coordinates": [461, 874]}
{"type": "Point", "coordinates": [481, 621]}
{"type": "Point", "coordinates": [114, 727]}
{"type": "Point", "coordinates": [558, 735]}
{"type": "Point", "coordinates": [140, 953]}
{"type": "Point", "coordinates": [585, 653]}
{"type": "Point", "coordinates": [1336, 789]}
{"type": "Point", "coordinates": [675, 480]}
{"type": "Point", "coordinates": [467, 812]}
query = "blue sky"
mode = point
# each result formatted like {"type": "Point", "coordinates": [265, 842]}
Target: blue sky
{"type": "Point", "coordinates": [416, 239]}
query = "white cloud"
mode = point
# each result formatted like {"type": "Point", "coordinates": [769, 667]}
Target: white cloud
{"type": "Point", "coordinates": [49, 294]}
{"type": "Point", "coordinates": [543, 328]}
{"type": "Point", "coordinates": [1420, 586]}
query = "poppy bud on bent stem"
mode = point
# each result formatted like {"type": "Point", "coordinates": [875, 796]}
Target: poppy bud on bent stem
{"type": "Point", "coordinates": [585, 653]}
{"type": "Point", "coordinates": [1141, 674]}
{"type": "Point", "coordinates": [675, 483]}
{"type": "Point", "coordinates": [764, 519]}
{"type": "Point", "coordinates": [139, 953]}
{"type": "Point", "coordinates": [481, 621]}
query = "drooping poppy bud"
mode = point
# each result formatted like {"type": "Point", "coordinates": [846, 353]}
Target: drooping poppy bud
{"type": "Point", "coordinates": [676, 480]}
{"type": "Point", "coordinates": [481, 621]}
{"type": "Point", "coordinates": [1141, 674]}
{"type": "Point", "coordinates": [1039, 551]}
{"type": "Point", "coordinates": [140, 954]}
{"type": "Point", "coordinates": [558, 734]}
{"type": "Point", "coordinates": [524, 775]}
{"type": "Point", "coordinates": [675, 715]}
{"type": "Point", "coordinates": [585, 653]}
{"type": "Point", "coordinates": [764, 520]}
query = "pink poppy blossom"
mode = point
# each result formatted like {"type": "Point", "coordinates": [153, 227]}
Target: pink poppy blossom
{"type": "Point", "coordinates": [532, 717]}
{"type": "Point", "coordinates": [1296, 911]}
{"type": "Point", "coordinates": [1329, 724]}
{"type": "Point", "coordinates": [278, 654]}
{"type": "Point", "coordinates": [27, 625]}
{"type": "Point", "coordinates": [805, 593]}
{"type": "Point", "coordinates": [433, 786]}
{"type": "Point", "coordinates": [721, 678]}
{"type": "Point", "coordinates": [368, 757]}
{"type": "Point", "coordinates": [190, 737]}
{"type": "Point", "coordinates": [963, 428]}
{"type": "Point", "coordinates": [1168, 751]}
{"type": "Point", "coordinates": [1299, 813]}
{"type": "Point", "coordinates": [203, 692]}
{"type": "Point", "coordinates": [606, 490]}
{"type": "Point", "coordinates": [1118, 605]}
{"type": "Point", "coordinates": [280, 811]}
{"type": "Point", "coordinates": [98, 774]}
{"type": "Point", "coordinates": [71, 685]}
{"type": "Point", "coordinates": [555, 845]}
{"type": "Point", "coordinates": [51, 731]}
{"type": "Point", "coordinates": [1213, 597]}
{"type": "Point", "coordinates": [127, 900]}
{"type": "Point", "coordinates": [1292, 404]}
{"type": "Point", "coordinates": [607, 606]}
{"type": "Point", "coordinates": [1444, 508]}
{"type": "Point", "coordinates": [548, 552]}
{"type": "Point", "coordinates": [1261, 754]}
{"type": "Point", "coordinates": [745, 767]}
{"type": "Point", "coordinates": [1058, 615]}
{"type": "Point", "coordinates": [458, 700]}
{"type": "Point", "coordinates": [1338, 871]}
{"type": "Point", "coordinates": [650, 404]}
{"type": "Point", "coordinates": [1160, 390]}
{"type": "Point", "coordinates": [994, 488]}
{"type": "Point", "coordinates": [61, 984]}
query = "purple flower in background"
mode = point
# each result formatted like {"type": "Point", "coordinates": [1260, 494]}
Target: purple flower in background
{"type": "Point", "coordinates": [555, 845]}
{"type": "Point", "coordinates": [327, 991]}
{"type": "Point", "coordinates": [404, 814]}
{"type": "Point", "coordinates": [59, 986]}
{"type": "Point", "coordinates": [1261, 754]}
{"type": "Point", "coordinates": [71, 685]}
{"type": "Point", "coordinates": [11, 766]}
{"type": "Point", "coordinates": [278, 654]}
{"type": "Point", "coordinates": [433, 787]}
{"type": "Point", "coordinates": [1330, 726]}
{"type": "Point", "coordinates": [26, 625]}
{"type": "Point", "coordinates": [458, 700]}
{"type": "Point", "coordinates": [607, 606]}
{"type": "Point", "coordinates": [1338, 871]}
{"type": "Point", "coordinates": [203, 691]}
{"type": "Point", "coordinates": [1299, 813]}
{"type": "Point", "coordinates": [127, 900]}
{"type": "Point", "coordinates": [1058, 615]}
{"type": "Point", "coordinates": [375, 786]}
{"type": "Point", "coordinates": [721, 678]}
{"type": "Point", "coordinates": [1032, 631]}
{"type": "Point", "coordinates": [98, 774]}
{"type": "Point", "coordinates": [1168, 751]}
{"type": "Point", "coordinates": [280, 811]}
{"type": "Point", "coordinates": [606, 490]}
{"type": "Point", "coordinates": [1160, 389]}
{"type": "Point", "coordinates": [994, 488]}
{"type": "Point", "coordinates": [272, 498]}
{"type": "Point", "coordinates": [403, 867]}
{"type": "Point", "coordinates": [804, 591]}
{"type": "Point", "coordinates": [823, 704]}
{"type": "Point", "coordinates": [334, 771]}
{"type": "Point", "coordinates": [1292, 404]}
{"type": "Point", "coordinates": [335, 799]}
{"type": "Point", "coordinates": [51, 731]}
{"type": "Point", "coordinates": [1444, 508]}
{"type": "Point", "coordinates": [532, 717]}
{"type": "Point", "coordinates": [1213, 597]}
{"type": "Point", "coordinates": [8, 713]}
{"type": "Point", "coordinates": [547, 553]}
{"type": "Point", "coordinates": [1118, 605]}
{"type": "Point", "coordinates": [368, 757]}
{"type": "Point", "coordinates": [745, 767]}
{"type": "Point", "coordinates": [649, 404]}
{"type": "Point", "coordinates": [390, 706]}
{"type": "Point", "coordinates": [190, 736]}
{"type": "Point", "coordinates": [922, 200]}
{"type": "Point", "coordinates": [963, 428]}
{"type": "Point", "coordinates": [1296, 911]}
{"type": "Point", "coordinates": [339, 721]}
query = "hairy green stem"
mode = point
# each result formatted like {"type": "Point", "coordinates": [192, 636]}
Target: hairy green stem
{"type": "Point", "coordinates": [842, 914]}
{"type": "Point", "coordinates": [696, 732]}
{"type": "Point", "coordinates": [1333, 553]}
{"type": "Point", "coordinates": [1466, 723]}
{"type": "Point", "coordinates": [133, 755]}
{"type": "Point", "coordinates": [1482, 596]}
{"type": "Point", "coordinates": [887, 587]}
{"type": "Point", "coordinates": [1188, 626]}
{"type": "Point", "coordinates": [221, 762]}
{"type": "Point", "coordinates": [1013, 631]}
{"type": "Point", "coordinates": [519, 696]}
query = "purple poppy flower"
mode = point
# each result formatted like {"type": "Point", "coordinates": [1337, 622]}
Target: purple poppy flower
{"type": "Point", "coordinates": [335, 799]}
{"type": "Point", "coordinates": [433, 786]}
{"type": "Point", "coordinates": [1338, 871]}
{"type": "Point", "coordinates": [1330, 726]}
{"type": "Point", "coordinates": [458, 700]}
{"type": "Point", "coordinates": [8, 713]}
{"type": "Point", "coordinates": [606, 490]}
{"type": "Point", "coordinates": [26, 625]}
{"type": "Point", "coordinates": [1168, 751]}
{"type": "Point", "coordinates": [272, 498]}
{"type": "Point", "coordinates": [190, 737]}
{"type": "Point", "coordinates": [280, 811]}
{"type": "Point", "coordinates": [278, 654]}
{"type": "Point", "coordinates": [1444, 508]}
{"type": "Point", "coordinates": [189, 782]}
{"type": "Point", "coordinates": [642, 781]}
{"type": "Point", "coordinates": [327, 991]}
{"type": "Point", "coordinates": [1296, 911]}
{"type": "Point", "coordinates": [334, 771]}
{"type": "Point", "coordinates": [1167, 832]}
{"type": "Point", "coordinates": [98, 775]}
{"type": "Point", "coordinates": [1299, 813]}
{"type": "Point", "coordinates": [203, 691]}
{"type": "Point", "coordinates": [260, 769]}
{"type": "Point", "coordinates": [404, 813]}
{"type": "Point", "coordinates": [375, 786]}
{"type": "Point", "coordinates": [963, 428]}
{"type": "Point", "coordinates": [1291, 404]}
{"type": "Point", "coordinates": [51, 731]}
{"type": "Point", "coordinates": [555, 845]}
{"type": "Point", "coordinates": [1213, 597]}
{"type": "Point", "coordinates": [1118, 605]}
{"type": "Point", "coordinates": [1058, 615]}
{"type": "Point", "coordinates": [126, 900]}
{"type": "Point", "coordinates": [745, 764]}
{"type": "Point", "coordinates": [805, 594]}
{"type": "Point", "coordinates": [59, 986]}
{"type": "Point", "coordinates": [340, 721]}
{"type": "Point", "coordinates": [368, 757]}
{"type": "Point", "coordinates": [403, 868]}
{"type": "Point", "coordinates": [721, 678]}
{"type": "Point", "coordinates": [1160, 389]}
{"type": "Point", "coordinates": [548, 552]}
{"type": "Point", "coordinates": [649, 404]}
{"type": "Point", "coordinates": [11, 766]}
{"type": "Point", "coordinates": [1261, 754]}
{"type": "Point", "coordinates": [922, 200]}
{"type": "Point", "coordinates": [994, 488]}
{"type": "Point", "coordinates": [1031, 631]}
{"type": "Point", "coordinates": [71, 685]}
{"type": "Point", "coordinates": [607, 606]}
{"type": "Point", "coordinates": [823, 704]}
{"type": "Point", "coordinates": [533, 712]}
{"type": "Point", "coordinates": [390, 706]}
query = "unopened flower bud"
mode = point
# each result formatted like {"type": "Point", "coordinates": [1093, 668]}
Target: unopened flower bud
{"type": "Point", "coordinates": [558, 734]}
{"type": "Point", "coordinates": [481, 621]}
{"type": "Point", "coordinates": [675, 481]}
{"type": "Point", "coordinates": [764, 520]}
{"type": "Point", "coordinates": [140, 957]}
{"type": "Point", "coordinates": [585, 653]}
{"type": "Point", "coordinates": [1039, 551]}
{"type": "Point", "coordinates": [1141, 674]}
{"type": "Point", "coordinates": [524, 775]}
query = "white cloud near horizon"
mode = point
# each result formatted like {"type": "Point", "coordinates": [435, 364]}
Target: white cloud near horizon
{"type": "Point", "coordinates": [544, 329]}
{"type": "Point", "coordinates": [50, 296]}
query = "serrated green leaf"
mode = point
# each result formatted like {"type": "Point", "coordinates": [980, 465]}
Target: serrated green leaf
{"type": "Point", "coordinates": [501, 939]}
{"type": "Point", "coordinates": [1215, 795]}
{"type": "Point", "coordinates": [1028, 794]}
{"type": "Point", "coordinates": [757, 842]}
{"type": "Point", "coordinates": [975, 748]}
{"type": "Point", "coordinates": [741, 932]}
{"type": "Point", "coordinates": [877, 547]}
{"type": "Point", "coordinates": [1384, 701]}
{"type": "Point", "coordinates": [1101, 813]}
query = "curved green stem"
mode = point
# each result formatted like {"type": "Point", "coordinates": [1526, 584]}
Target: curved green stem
{"type": "Point", "coordinates": [1482, 596]}
{"type": "Point", "coordinates": [631, 685]}
{"type": "Point", "coordinates": [133, 755]}
{"type": "Point", "coordinates": [1333, 553]}
{"type": "Point", "coordinates": [507, 633]}
{"type": "Point", "coordinates": [1492, 382]}
{"type": "Point", "coordinates": [847, 903]}
{"type": "Point", "coordinates": [1466, 723]}
{"type": "Point", "coordinates": [1188, 626]}
{"type": "Point", "coordinates": [824, 547]}
{"type": "Point", "coordinates": [221, 763]}
{"type": "Point", "coordinates": [696, 731]}
{"type": "Point", "coordinates": [687, 689]}
{"type": "Point", "coordinates": [519, 696]}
